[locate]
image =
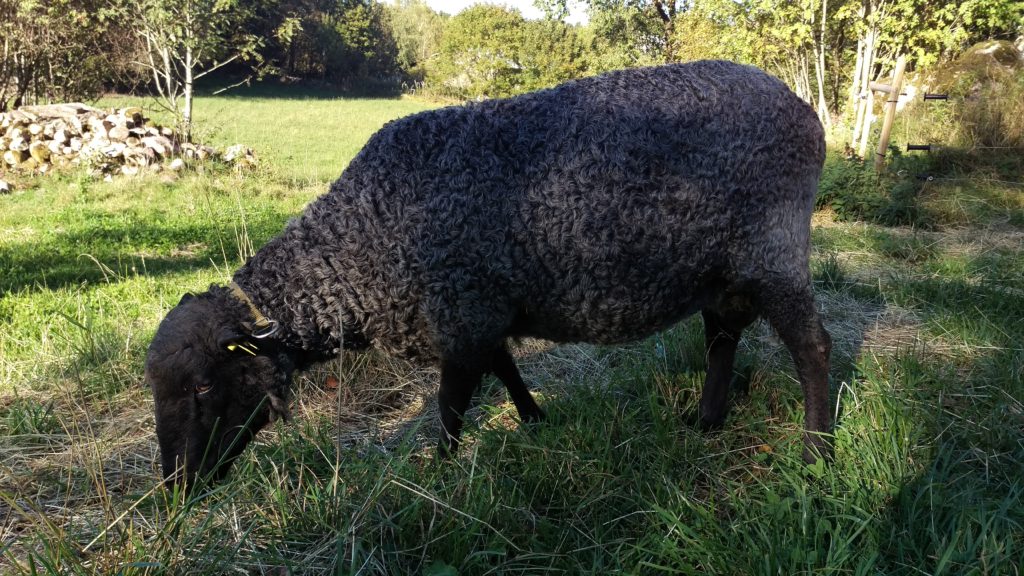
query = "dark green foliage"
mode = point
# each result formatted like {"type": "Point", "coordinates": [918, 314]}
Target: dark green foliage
{"type": "Point", "coordinates": [50, 50]}
{"type": "Point", "coordinates": [854, 191]}
{"type": "Point", "coordinates": [904, 194]}
{"type": "Point", "coordinates": [341, 41]}
{"type": "Point", "coordinates": [848, 187]}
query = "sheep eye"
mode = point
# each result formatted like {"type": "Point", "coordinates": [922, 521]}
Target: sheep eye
{"type": "Point", "coordinates": [203, 388]}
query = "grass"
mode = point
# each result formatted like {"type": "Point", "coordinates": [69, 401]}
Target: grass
{"type": "Point", "coordinates": [928, 378]}
{"type": "Point", "coordinates": [282, 126]}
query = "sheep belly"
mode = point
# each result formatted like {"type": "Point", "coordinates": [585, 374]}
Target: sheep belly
{"type": "Point", "coordinates": [620, 270]}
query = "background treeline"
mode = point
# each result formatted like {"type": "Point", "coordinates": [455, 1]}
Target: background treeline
{"type": "Point", "coordinates": [825, 49]}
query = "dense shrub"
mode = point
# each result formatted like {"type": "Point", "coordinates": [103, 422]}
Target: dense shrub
{"type": "Point", "coordinates": [490, 51]}
{"type": "Point", "coordinates": [852, 189]}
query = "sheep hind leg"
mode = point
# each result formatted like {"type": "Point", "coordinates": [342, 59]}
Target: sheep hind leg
{"type": "Point", "coordinates": [792, 314]}
{"type": "Point", "coordinates": [722, 332]}
{"type": "Point", "coordinates": [458, 382]}
{"type": "Point", "coordinates": [504, 367]}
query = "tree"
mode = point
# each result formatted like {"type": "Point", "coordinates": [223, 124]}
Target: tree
{"type": "Point", "coordinates": [479, 54]}
{"type": "Point", "coordinates": [341, 41]}
{"type": "Point", "coordinates": [54, 49]}
{"type": "Point", "coordinates": [417, 30]}
{"type": "Point", "coordinates": [636, 31]}
{"type": "Point", "coordinates": [551, 52]}
{"type": "Point", "coordinates": [186, 40]}
{"type": "Point", "coordinates": [491, 51]}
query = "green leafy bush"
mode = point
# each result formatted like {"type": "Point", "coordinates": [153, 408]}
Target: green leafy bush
{"type": "Point", "coordinates": [852, 189]}
{"type": "Point", "coordinates": [492, 52]}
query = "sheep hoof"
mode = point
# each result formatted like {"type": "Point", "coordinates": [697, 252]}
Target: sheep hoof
{"type": "Point", "coordinates": [708, 426]}
{"type": "Point", "coordinates": [533, 417]}
{"type": "Point", "coordinates": [818, 447]}
{"type": "Point", "coordinates": [694, 419]}
{"type": "Point", "coordinates": [446, 449]}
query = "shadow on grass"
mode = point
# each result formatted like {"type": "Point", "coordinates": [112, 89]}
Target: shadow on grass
{"type": "Point", "coordinates": [109, 251]}
{"type": "Point", "coordinates": [306, 90]}
{"type": "Point", "coordinates": [963, 512]}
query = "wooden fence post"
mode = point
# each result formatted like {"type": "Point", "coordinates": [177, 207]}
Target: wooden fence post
{"type": "Point", "coordinates": [890, 111]}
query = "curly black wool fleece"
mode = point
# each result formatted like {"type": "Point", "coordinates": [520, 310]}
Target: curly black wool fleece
{"type": "Point", "coordinates": [601, 210]}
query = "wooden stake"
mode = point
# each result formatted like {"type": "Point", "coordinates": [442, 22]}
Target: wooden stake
{"type": "Point", "coordinates": [890, 113]}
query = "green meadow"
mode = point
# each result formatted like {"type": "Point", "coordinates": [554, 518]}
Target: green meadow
{"type": "Point", "coordinates": [927, 387]}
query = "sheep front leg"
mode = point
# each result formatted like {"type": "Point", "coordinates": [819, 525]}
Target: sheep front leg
{"type": "Point", "coordinates": [504, 367]}
{"type": "Point", "coordinates": [792, 314]}
{"type": "Point", "coordinates": [458, 382]}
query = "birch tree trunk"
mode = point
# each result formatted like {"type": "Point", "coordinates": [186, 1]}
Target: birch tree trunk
{"type": "Point", "coordinates": [805, 76]}
{"type": "Point", "coordinates": [186, 113]}
{"type": "Point", "coordinates": [823, 112]}
{"type": "Point", "coordinates": [855, 81]}
{"type": "Point", "coordinates": [857, 86]}
{"type": "Point", "coordinates": [865, 102]}
{"type": "Point", "coordinates": [868, 103]}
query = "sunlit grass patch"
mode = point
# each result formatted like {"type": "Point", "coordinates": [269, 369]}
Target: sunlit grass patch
{"type": "Point", "coordinates": [304, 140]}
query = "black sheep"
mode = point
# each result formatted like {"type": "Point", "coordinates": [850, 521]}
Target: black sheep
{"type": "Point", "coordinates": [601, 210]}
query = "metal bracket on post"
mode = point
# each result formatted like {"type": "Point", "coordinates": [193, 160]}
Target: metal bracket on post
{"type": "Point", "coordinates": [927, 147]}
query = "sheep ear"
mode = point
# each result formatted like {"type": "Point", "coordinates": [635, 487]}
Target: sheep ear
{"type": "Point", "coordinates": [186, 297]}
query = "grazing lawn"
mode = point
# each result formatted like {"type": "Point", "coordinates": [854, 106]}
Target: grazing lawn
{"type": "Point", "coordinates": [928, 384]}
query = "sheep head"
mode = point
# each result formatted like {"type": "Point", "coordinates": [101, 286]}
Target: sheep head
{"type": "Point", "coordinates": [214, 385]}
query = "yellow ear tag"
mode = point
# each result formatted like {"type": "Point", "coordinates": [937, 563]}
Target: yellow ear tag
{"type": "Point", "coordinates": [233, 347]}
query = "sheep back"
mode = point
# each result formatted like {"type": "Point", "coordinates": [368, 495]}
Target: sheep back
{"type": "Point", "coordinates": [600, 210]}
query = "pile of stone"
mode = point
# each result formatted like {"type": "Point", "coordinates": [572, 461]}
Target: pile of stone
{"type": "Point", "coordinates": [37, 139]}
